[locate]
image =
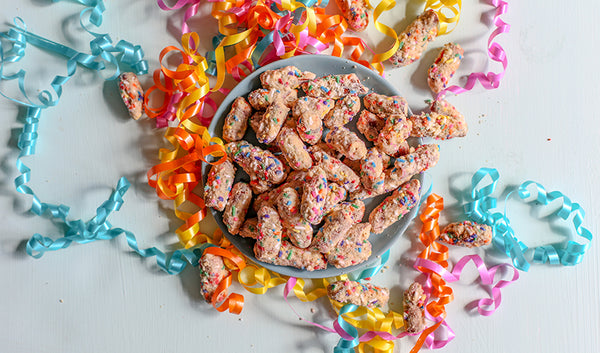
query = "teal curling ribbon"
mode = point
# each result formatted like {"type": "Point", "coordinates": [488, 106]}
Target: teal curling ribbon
{"type": "Point", "coordinates": [101, 47]}
{"type": "Point", "coordinates": [76, 231]}
{"type": "Point", "coordinates": [19, 38]}
{"type": "Point", "coordinates": [98, 228]}
{"type": "Point", "coordinates": [96, 7]}
{"type": "Point", "coordinates": [350, 339]}
{"type": "Point", "coordinates": [211, 57]}
{"type": "Point", "coordinates": [480, 210]}
{"type": "Point", "coordinates": [572, 252]}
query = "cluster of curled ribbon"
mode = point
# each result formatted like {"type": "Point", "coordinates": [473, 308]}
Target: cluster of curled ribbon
{"type": "Point", "coordinates": [482, 208]}
{"type": "Point", "coordinates": [253, 33]}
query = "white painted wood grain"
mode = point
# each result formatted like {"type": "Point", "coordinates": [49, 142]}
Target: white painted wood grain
{"type": "Point", "coordinates": [541, 124]}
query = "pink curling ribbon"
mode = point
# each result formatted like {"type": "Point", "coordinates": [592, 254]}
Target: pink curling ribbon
{"type": "Point", "coordinates": [189, 12]}
{"type": "Point", "coordinates": [488, 80]}
{"type": "Point", "coordinates": [486, 275]}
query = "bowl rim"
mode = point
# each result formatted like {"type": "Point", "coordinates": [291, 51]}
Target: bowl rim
{"type": "Point", "coordinates": [303, 62]}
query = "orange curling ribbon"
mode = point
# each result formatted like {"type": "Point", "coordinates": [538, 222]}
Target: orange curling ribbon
{"type": "Point", "coordinates": [179, 173]}
{"type": "Point", "coordinates": [233, 302]}
{"type": "Point", "coordinates": [438, 253]}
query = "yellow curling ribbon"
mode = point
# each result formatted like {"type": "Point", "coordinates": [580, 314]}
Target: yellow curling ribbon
{"type": "Point", "coordinates": [253, 275]}
{"type": "Point", "coordinates": [371, 319]}
{"type": "Point", "coordinates": [377, 60]}
{"type": "Point", "coordinates": [441, 6]}
{"type": "Point", "coordinates": [318, 292]}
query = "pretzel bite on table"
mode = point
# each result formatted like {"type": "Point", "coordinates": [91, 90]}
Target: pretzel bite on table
{"type": "Point", "coordinates": [437, 126]}
{"type": "Point", "coordinates": [361, 294]}
{"type": "Point", "coordinates": [132, 94]}
{"type": "Point", "coordinates": [355, 12]}
{"type": "Point", "coordinates": [444, 122]}
{"type": "Point", "coordinates": [414, 308]}
{"type": "Point", "coordinates": [441, 106]}
{"type": "Point", "coordinates": [414, 39]}
{"type": "Point", "coordinates": [212, 272]}
{"type": "Point", "coordinates": [468, 234]}
{"type": "Point", "coordinates": [444, 67]}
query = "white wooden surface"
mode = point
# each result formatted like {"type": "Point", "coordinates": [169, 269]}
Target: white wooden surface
{"type": "Point", "coordinates": [541, 124]}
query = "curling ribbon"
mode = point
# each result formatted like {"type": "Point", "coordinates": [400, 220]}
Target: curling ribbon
{"type": "Point", "coordinates": [433, 262]}
{"type": "Point", "coordinates": [251, 28]}
{"type": "Point", "coordinates": [260, 32]}
{"type": "Point", "coordinates": [487, 278]}
{"type": "Point", "coordinates": [351, 318]}
{"type": "Point", "coordinates": [191, 11]}
{"type": "Point", "coordinates": [441, 8]}
{"type": "Point", "coordinates": [98, 228]}
{"type": "Point", "coordinates": [233, 302]}
{"type": "Point", "coordinates": [102, 46]}
{"type": "Point", "coordinates": [435, 285]}
{"type": "Point", "coordinates": [76, 230]}
{"type": "Point", "coordinates": [569, 253]}
{"type": "Point", "coordinates": [180, 172]}
{"type": "Point", "coordinates": [180, 169]}
{"type": "Point", "coordinates": [95, 7]}
{"type": "Point", "coordinates": [496, 53]}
